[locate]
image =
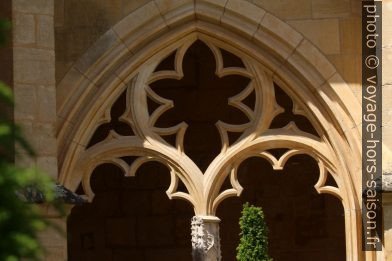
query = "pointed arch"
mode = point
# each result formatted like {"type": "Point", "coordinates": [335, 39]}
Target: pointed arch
{"type": "Point", "coordinates": [108, 67]}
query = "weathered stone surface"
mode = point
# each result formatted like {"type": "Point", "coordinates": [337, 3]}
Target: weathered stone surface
{"type": "Point", "coordinates": [386, 111]}
{"type": "Point", "coordinates": [59, 13]}
{"type": "Point", "coordinates": [39, 6]}
{"type": "Point", "coordinates": [281, 29]}
{"type": "Point", "coordinates": [252, 12]}
{"type": "Point", "coordinates": [386, 65]}
{"type": "Point", "coordinates": [130, 6]}
{"type": "Point", "coordinates": [24, 32]}
{"type": "Point", "coordinates": [323, 33]}
{"type": "Point", "coordinates": [316, 58]}
{"type": "Point", "coordinates": [55, 254]}
{"type": "Point", "coordinates": [34, 66]}
{"type": "Point", "coordinates": [46, 101]}
{"type": "Point", "coordinates": [97, 51]}
{"type": "Point", "coordinates": [48, 164]}
{"type": "Point", "coordinates": [25, 102]}
{"type": "Point", "coordinates": [139, 17]}
{"type": "Point", "coordinates": [45, 31]}
{"type": "Point", "coordinates": [386, 23]}
{"type": "Point", "coordinates": [387, 207]}
{"type": "Point", "coordinates": [24, 160]}
{"type": "Point", "coordinates": [205, 238]}
{"type": "Point", "coordinates": [299, 9]}
{"type": "Point", "coordinates": [234, 18]}
{"type": "Point", "coordinates": [387, 182]}
{"type": "Point", "coordinates": [46, 145]}
{"type": "Point", "coordinates": [356, 8]}
{"type": "Point", "coordinates": [184, 10]}
{"type": "Point", "coordinates": [350, 32]}
{"type": "Point", "coordinates": [347, 66]}
{"type": "Point", "coordinates": [330, 8]}
{"type": "Point", "coordinates": [165, 6]}
{"type": "Point", "coordinates": [204, 11]}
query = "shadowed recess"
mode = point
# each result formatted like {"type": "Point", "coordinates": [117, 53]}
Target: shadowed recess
{"type": "Point", "coordinates": [226, 184]}
{"type": "Point", "coordinates": [284, 118]}
{"type": "Point", "coordinates": [151, 105]}
{"type": "Point", "coordinates": [201, 99]}
{"type": "Point", "coordinates": [233, 136]}
{"type": "Point", "coordinates": [277, 153]}
{"type": "Point", "coordinates": [250, 100]}
{"type": "Point", "coordinates": [115, 124]}
{"type": "Point", "coordinates": [130, 218]}
{"type": "Point", "coordinates": [171, 139]}
{"type": "Point", "coordinates": [303, 225]}
{"type": "Point", "coordinates": [129, 159]}
{"type": "Point", "coordinates": [231, 60]}
{"type": "Point", "coordinates": [167, 64]}
{"type": "Point", "coordinates": [330, 181]}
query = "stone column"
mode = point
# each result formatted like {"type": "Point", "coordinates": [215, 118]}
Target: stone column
{"type": "Point", "coordinates": [34, 81]}
{"type": "Point", "coordinates": [205, 238]}
{"type": "Point", "coordinates": [54, 240]}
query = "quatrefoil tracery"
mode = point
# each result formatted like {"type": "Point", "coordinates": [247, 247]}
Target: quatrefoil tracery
{"type": "Point", "coordinates": [256, 136]}
{"type": "Point", "coordinates": [221, 72]}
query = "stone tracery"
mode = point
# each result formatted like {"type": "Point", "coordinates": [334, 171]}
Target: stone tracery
{"type": "Point", "coordinates": [134, 132]}
{"type": "Point", "coordinates": [203, 189]}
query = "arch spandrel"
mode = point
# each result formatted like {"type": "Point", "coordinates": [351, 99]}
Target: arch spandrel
{"type": "Point", "coordinates": [296, 65]}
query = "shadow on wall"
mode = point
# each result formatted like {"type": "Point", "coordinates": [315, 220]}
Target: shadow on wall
{"type": "Point", "coordinates": [78, 24]}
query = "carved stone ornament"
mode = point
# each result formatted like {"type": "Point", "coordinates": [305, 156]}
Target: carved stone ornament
{"type": "Point", "coordinates": [329, 144]}
{"type": "Point", "coordinates": [146, 141]}
{"type": "Point", "coordinates": [205, 239]}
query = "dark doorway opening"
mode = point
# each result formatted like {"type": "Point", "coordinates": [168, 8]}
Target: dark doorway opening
{"type": "Point", "coordinates": [130, 218]}
{"type": "Point", "coordinates": [303, 225]}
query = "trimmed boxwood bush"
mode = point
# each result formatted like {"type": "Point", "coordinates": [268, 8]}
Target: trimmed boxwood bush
{"type": "Point", "coordinates": [254, 235]}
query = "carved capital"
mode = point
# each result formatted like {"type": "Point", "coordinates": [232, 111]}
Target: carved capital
{"type": "Point", "coordinates": [205, 238]}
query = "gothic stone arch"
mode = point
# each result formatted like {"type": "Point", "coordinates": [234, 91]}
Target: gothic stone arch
{"type": "Point", "coordinates": [124, 59]}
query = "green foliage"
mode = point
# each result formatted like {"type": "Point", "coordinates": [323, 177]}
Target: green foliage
{"type": "Point", "coordinates": [19, 220]}
{"type": "Point", "coordinates": [4, 28]}
{"type": "Point", "coordinates": [254, 240]}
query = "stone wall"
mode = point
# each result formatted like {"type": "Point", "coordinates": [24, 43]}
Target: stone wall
{"type": "Point", "coordinates": [387, 78]}
{"type": "Point", "coordinates": [334, 26]}
{"type": "Point", "coordinates": [34, 81]}
{"type": "Point", "coordinates": [78, 24]}
{"type": "Point", "coordinates": [41, 57]}
{"type": "Point", "coordinates": [34, 89]}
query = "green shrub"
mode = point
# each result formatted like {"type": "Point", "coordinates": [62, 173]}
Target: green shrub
{"type": "Point", "coordinates": [254, 240]}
